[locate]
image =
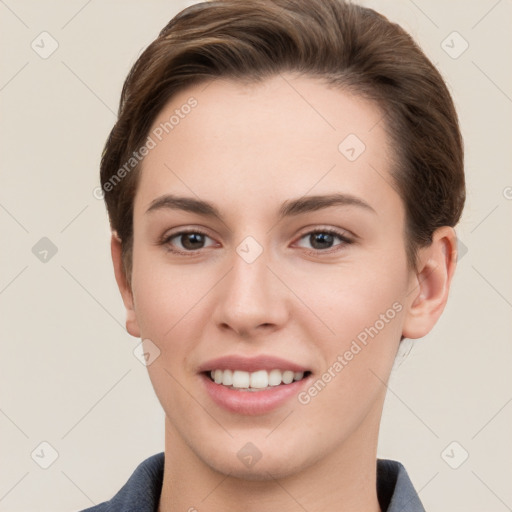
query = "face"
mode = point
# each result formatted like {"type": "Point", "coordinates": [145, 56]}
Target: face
{"type": "Point", "coordinates": [267, 236]}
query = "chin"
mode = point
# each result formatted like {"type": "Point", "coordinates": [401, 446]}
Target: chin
{"type": "Point", "coordinates": [260, 472]}
{"type": "Point", "coordinates": [275, 465]}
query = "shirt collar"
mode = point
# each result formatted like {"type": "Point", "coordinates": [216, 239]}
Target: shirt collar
{"type": "Point", "coordinates": [142, 491]}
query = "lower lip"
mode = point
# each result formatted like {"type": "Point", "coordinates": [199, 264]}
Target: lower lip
{"type": "Point", "coordinates": [251, 403]}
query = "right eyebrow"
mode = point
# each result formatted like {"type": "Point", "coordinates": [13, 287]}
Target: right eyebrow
{"type": "Point", "coordinates": [188, 204]}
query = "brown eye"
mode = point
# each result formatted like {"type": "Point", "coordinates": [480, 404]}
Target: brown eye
{"type": "Point", "coordinates": [188, 241]}
{"type": "Point", "coordinates": [192, 241]}
{"type": "Point", "coordinates": [323, 240]}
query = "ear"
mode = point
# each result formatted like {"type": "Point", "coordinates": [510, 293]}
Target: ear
{"type": "Point", "coordinates": [430, 283]}
{"type": "Point", "coordinates": [126, 293]}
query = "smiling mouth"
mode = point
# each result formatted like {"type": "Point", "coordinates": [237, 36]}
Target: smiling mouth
{"type": "Point", "coordinates": [260, 380]}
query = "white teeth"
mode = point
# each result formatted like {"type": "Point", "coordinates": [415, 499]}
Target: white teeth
{"type": "Point", "coordinates": [227, 378]}
{"type": "Point", "coordinates": [287, 377]}
{"type": "Point", "coordinates": [275, 377]}
{"type": "Point", "coordinates": [260, 379]}
{"type": "Point", "coordinates": [240, 379]}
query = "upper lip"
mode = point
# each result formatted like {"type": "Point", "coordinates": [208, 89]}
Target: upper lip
{"type": "Point", "coordinates": [251, 364]}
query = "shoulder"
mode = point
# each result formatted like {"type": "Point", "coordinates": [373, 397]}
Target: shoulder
{"type": "Point", "coordinates": [141, 492]}
{"type": "Point", "coordinates": [395, 489]}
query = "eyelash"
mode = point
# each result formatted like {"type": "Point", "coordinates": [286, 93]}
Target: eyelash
{"type": "Point", "coordinates": [166, 241]}
{"type": "Point", "coordinates": [342, 237]}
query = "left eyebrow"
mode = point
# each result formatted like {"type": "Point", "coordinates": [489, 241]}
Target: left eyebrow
{"type": "Point", "coordinates": [289, 208]}
{"type": "Point", "coordinates": [313, 203]}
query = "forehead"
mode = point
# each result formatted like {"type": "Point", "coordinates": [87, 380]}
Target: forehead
{"type": "Point", "coordinates": [286, 136]}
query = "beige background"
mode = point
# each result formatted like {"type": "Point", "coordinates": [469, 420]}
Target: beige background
{"type": "Point", "coordinates": [68, 374]}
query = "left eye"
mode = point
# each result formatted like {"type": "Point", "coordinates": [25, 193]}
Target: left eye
{"type": "Point", "coordinates": [324, 239]}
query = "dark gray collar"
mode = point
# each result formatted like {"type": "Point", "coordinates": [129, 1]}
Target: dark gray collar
{"type": "Point", "coordinates": [394, 488]}
{"type": "Point", "coordinates": [142, 491]}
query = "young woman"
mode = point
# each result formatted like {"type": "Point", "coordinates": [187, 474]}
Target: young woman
{"type": "Point", "coordinates": [282, 185]}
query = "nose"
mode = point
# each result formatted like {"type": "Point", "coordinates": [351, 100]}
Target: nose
{"type": "Point", "coordinates": [251, 299]}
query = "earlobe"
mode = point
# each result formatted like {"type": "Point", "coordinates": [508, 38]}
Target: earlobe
{"type": "Point", "coordinates": [126, 292]}
{"type": "Point", "coordinates": [431, 283]}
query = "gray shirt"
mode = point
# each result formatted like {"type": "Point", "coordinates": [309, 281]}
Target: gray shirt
{"type": "Point", "coordinates": [142, 491]}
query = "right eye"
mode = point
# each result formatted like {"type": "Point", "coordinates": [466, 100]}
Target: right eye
{"type": "Point", "coordinates": [187, 241]}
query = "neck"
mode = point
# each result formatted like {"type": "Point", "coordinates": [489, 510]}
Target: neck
{"type": "Point", "coordinates": [344, 481]}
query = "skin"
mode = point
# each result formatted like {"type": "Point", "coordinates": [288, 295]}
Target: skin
{"type": "Point", "coordinates": [247, 149]}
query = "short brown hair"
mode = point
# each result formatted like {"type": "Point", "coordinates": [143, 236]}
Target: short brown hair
{"type": "Point", "coordinates": [349, 46]}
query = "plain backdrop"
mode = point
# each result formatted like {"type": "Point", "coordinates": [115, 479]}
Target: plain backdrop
{"type": "Point", "coordinates": [69, 377]}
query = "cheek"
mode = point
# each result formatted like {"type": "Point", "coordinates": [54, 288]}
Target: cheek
{"type": "Point", "coordinates": [373, 306]}
{"type": "Point", "coordinates": [166, 296]}
{"type": "Point", "coordinates": [168, 304]}
{"type": "Point", "coordinates": [363, 307]}
{"type": "Point", "coordinates": [366, 315]}
{"type": "Point", "coordinates": [351, 298]}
